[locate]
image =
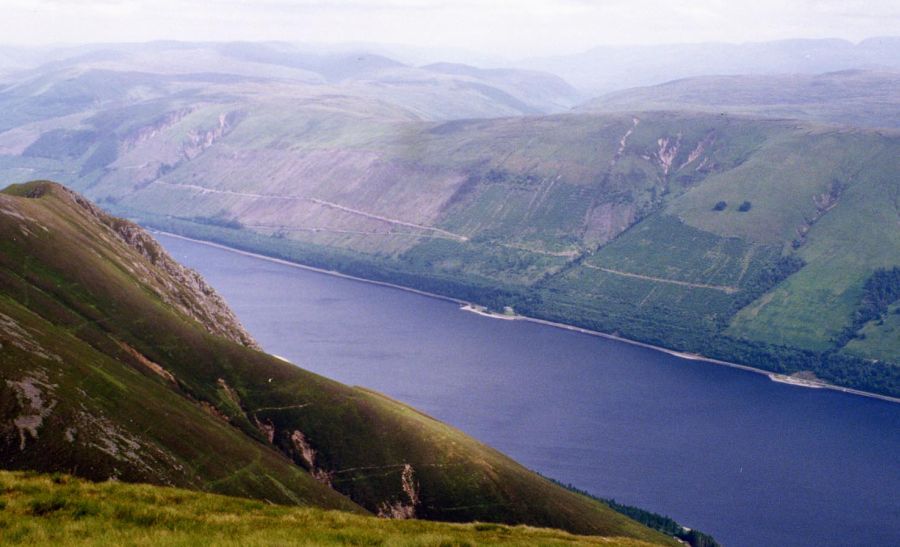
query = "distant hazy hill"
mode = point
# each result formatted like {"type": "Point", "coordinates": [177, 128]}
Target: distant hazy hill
{"type": "Point", "coordinates": [608, 68]}
{"type": "Point", "coordinates": [92, 76]}
{"type": "Point", "coordinates": [118, 362]}
{"type": "Point", "coordinates": [851, 97]}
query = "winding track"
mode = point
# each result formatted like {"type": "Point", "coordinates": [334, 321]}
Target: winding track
{"type": "Point", "coordinates": [724, 288]}
{"type": "Point", "coordinates": [320, 202]}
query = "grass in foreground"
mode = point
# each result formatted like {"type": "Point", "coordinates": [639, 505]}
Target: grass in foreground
{"type": "Point", "coordinates": [58, 509]}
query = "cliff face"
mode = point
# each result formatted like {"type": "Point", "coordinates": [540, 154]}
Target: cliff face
{"type": "Point", "coordinates": [183, 287]}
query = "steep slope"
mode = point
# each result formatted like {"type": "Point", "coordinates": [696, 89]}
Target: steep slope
{"type": "Point", "coordinates": [108, 373]}
{"type": "Point", "coordinates": [854, 97]}
{"type": "Point", "coordinates": [77, 398]}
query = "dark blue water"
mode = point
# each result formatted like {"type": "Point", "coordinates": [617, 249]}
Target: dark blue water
{"type": "Point", "coordinates": [751, 461]}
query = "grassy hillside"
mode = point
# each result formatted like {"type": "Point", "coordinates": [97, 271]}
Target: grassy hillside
{"type": "Point", "coordinates": [113, 368]}
{"type": "Point", "coordinates": [57, 509]}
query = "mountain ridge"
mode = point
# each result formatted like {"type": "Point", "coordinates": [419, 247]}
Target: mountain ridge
{"type": "Point", "coordinates": [429, 93]}
{"type": "Point", "coordinates": [200, 301]}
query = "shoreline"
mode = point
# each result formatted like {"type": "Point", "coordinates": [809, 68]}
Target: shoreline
{"type": "Point", "coordinates": [482, 311]}
{"type": "Point", "coordinates": [794, 381]}
{"type": "Point", "coordinates": [478, 310]}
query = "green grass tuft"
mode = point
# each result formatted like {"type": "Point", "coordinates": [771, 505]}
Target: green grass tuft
{"type": "Point", "coordinates": [111, 513]}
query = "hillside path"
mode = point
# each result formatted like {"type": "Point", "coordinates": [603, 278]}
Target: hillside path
{"type": "Point", "coordinates": [320, 202]}
{"type": "Point", "coordinates": [724, 288]}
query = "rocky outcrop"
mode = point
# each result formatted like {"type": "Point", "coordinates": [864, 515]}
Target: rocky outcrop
{"type": "Point", "coordinates": [154, 128]}
{"type": "Point", "coordinates": [184, 288]}
{"type": "Point", "coordinates": [14, 334]}
{"type": "Point", "coordinates": [623, 142]}
{"type": "Point", "coordinates": [400, 508]}
{"type": "Point", "coordinates": [698, 151]}
{"type": "Point", "coordinates": [199, 140]}
{"type": "Point", "coordinates": [824, 203]}
{"type": "Point", "coordinates": [307, 454]}
{"type": "Point", "coordinates": [267, 428]}
{"type": "Point", "coordinates": [35, 403]}
{"type": "Point", "coordinates": [666, 152]}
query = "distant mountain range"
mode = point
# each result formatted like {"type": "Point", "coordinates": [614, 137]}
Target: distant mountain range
{"type": "Point", "coordinates": [608, 68]}
{"type": "Point", "coordinates": [596, 71]}
{"type": "Point", "coordinates": [78, 77]}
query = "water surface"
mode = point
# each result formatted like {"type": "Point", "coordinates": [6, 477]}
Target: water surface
{"type": "Point", "coordinates": [751, 461]}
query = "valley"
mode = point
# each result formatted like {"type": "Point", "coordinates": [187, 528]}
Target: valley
{"type": "Point", "coordinates": [724, 234]}
{"type": "Point", "coordinates": [491, 222]}
{"type": "Point", "coordinates": [660, 250]}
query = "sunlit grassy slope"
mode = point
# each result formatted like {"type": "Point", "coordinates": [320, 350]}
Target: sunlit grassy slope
{"type": "Point", "coordinates": [61, 510]}
{"type": "Point", "coordinates": [106, 374]}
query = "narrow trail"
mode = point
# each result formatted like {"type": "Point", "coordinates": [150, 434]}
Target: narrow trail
{"type": "Point", "coordinates": [320, 202]}
{"type": "Point", "coordinates": [724, 288]}
{"type": "Point", "coordinates": [391, 233]}
{"type": "Point", "coordinates": [565, 254]}
{"type": "Point", "coordinates": [288, 407]}
{"type": "Point", "coordinates": [205, 190]}
{"type": "Point", "coordinates": [394, 466]}
{"type": "Point", "coordinates": [387, 219]}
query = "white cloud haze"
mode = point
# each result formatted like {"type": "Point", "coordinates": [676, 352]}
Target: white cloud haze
{"type": "Point", "coordinates": [514, 28]}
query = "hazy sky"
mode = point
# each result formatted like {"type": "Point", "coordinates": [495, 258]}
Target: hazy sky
{"type": "Point", "coordinates": [514, 28]}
